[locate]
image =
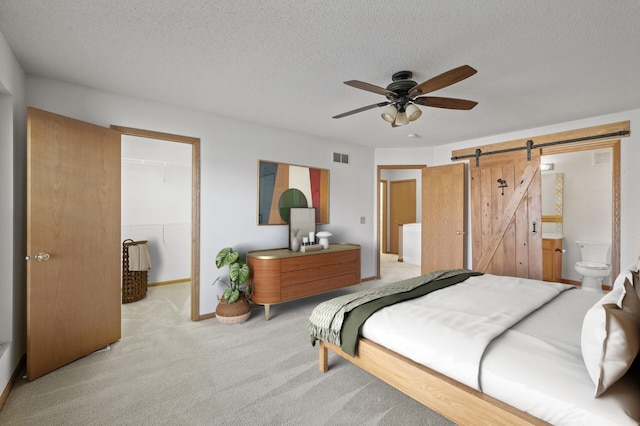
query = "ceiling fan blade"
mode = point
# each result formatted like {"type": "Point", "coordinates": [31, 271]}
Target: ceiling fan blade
{"type": "Point", "coordinates": [369, 87]}
{"type": "Point", "coordinates": [443, 80]}
{"type": "Point", "coordinates": [364, 108]}
{"type": "Point", "coordinates": [449, 103]}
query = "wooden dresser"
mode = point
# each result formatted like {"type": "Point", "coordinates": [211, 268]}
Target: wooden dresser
{"type": "Point", "coordinates": [280, 275]}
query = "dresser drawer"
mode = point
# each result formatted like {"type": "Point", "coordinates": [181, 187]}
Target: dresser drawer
{"type": "Point", "coordinates": [319, 260]}
{"type": "Point", "coordinates": [319, 286]}
{"type": "Point", "coordinates": [312, 274]}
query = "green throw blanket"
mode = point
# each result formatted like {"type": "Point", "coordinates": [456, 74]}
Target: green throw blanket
{"type": "Point", "coordinates": [338, 320]}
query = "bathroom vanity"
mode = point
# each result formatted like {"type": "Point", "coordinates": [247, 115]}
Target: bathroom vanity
{"type": "Point", "coordinates": [552, 259]}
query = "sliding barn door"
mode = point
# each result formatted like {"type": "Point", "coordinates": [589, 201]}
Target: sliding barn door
{"type": "Point", "coordinates": [506, 214]}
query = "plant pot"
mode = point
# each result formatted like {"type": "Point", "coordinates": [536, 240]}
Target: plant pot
{"type": "Point", "coordinates": [233, 313]}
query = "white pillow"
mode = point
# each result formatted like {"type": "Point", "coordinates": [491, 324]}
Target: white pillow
{"type": "Point", "coordinates": [625, 274]}
{"type": "Point", "coordinates": [629, 301]}
{"type": "Point", "coordinates": [610, 339]}
{"type": "Point", "coordinates": [635, 281]}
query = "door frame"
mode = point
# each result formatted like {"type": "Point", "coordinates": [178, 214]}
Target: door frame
{"type": "Point", "coordinates": [383, 186]}
{"type": "Point", "coordinates": [195, 205]}
{"type": "Point", "coordinates": [421, 167]}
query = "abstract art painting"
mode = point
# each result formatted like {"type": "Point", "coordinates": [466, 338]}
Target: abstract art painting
{"type": "Point", "coordinates": [283, 186]}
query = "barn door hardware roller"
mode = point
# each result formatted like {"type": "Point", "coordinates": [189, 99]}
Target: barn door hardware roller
{"type": "Point", "coordinates": [529, 147]}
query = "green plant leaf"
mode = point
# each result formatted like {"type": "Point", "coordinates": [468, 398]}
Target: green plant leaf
{"type": "Point", "coordinates": [231, 295]}
{"type": "Point", "coordinates": [239, 273]}
{"type": "Point", "coordinates": [226, 256]}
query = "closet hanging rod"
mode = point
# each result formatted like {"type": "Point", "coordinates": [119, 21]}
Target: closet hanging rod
{"type": "Point", "coordinates": [530, 145]}
{"type": "Point", "coordinates": [154, 162]}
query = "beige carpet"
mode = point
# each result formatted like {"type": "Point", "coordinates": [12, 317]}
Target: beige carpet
{"type": "Point", "coordinates": [168, 370]}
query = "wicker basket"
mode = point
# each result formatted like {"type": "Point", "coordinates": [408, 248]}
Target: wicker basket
{"type": "Point", "coordinates": [134, 283]}
{"type": "Point", "coordinates": [233, 313]}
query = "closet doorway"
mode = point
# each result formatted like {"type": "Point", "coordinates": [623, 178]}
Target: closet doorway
{"type": "Point", "coordinates": [169, 165]}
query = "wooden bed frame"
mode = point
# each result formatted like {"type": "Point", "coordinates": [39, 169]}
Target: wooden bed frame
{"type": "Point", "coordinates": [455, 401]}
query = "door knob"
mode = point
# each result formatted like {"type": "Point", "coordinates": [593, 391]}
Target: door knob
{"type": "Point", "coordinates": [42, 256]}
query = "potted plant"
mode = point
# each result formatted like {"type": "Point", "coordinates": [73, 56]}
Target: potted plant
{"type": "Point", "coordinates": [234, 306]}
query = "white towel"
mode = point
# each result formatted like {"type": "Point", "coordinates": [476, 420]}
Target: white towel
{"type": "Point", "coordinates": [139, 259]}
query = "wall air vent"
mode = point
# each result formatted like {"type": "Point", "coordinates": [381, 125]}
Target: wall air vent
{"type": "Point", "coordinates": [601, 158]}
{"type": "Point", "coordinates": [340, 158]}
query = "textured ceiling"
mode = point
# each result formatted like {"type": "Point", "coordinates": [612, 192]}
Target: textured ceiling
{"type": "Point", "coordinates": [282, 63]}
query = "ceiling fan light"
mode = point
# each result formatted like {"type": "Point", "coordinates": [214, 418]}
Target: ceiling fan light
{"type": "Point", "coordinates": [413, 112]}
{"type": "Point", "coordinates": [389, 114]}
{"type": "Point", "coordinates": [401, 119]}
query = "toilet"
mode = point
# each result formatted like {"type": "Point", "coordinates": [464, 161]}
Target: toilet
{"type": "Point", "coordinates": [593, 265]}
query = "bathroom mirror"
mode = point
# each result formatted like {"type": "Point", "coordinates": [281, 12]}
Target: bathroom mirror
{"type": "Point", "coordinates": [552, 203]}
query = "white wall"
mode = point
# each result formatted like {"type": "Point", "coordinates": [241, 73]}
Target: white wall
{"type": "Point", "coordinates": [156, 203]}
{"type": "Point", "coordinates": [404, 156]}
{"type": "Point", "coordinates": [6, 219]}
{"type": "Point", "coordinates": [412, 243]}
{"type": "Point", "coordinates": [12, 213]}
{"type": "Point", "coordinates": [230, 151]}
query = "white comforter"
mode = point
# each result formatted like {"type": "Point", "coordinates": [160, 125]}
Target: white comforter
{"type": "Point", "coordinates": [463, 318]}
{"type": "Point", "coordinates": [537, 366]}
{"type": "Point", "coordinates": [488, 334]}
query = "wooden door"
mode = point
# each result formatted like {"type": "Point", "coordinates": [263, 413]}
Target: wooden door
{"type": "Point", "coordinates": [402, 201]}
{"type": "Point", "coordinates": [73, 240]}
{"type": "Point", "coordinates": [506, 214]}
{"type": "Point", "coordinates": [443, 203]}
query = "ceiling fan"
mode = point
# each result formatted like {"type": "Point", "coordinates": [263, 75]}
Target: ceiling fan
{"type": "Point", "coordinates": [403, 94]}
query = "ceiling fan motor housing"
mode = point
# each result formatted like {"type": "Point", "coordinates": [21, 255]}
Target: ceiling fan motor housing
{"type": "Point", "coordinates": [401, 86]}
{"type": "Point", "coordinates": [402, 75]}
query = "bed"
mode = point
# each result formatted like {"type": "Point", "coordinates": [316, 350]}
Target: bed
{"type": "Point", "coordinates": [487, 349]}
